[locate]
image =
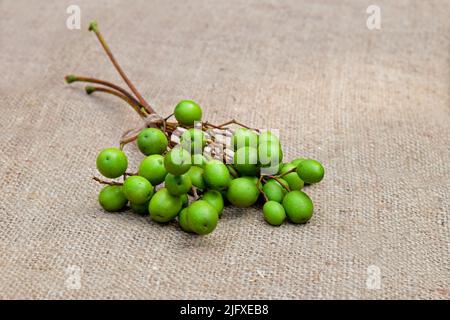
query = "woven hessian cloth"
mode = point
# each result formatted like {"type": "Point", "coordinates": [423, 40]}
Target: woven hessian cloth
{"type": "Point", "coordinates": [371, 105]}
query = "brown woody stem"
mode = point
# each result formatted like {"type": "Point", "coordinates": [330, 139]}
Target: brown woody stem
{"type": "Point", "coordinates": [92, 89]}
{"type": "Point", "coordinates": [111, 183]}
{"type": "Point", "coordinates": [94, 27]}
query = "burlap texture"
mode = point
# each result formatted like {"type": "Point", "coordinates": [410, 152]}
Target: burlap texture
{"type": "Point", "coordinates": [373, 106]}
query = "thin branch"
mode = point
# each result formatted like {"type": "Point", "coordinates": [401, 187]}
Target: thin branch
{"type": "Point", "coordinates": [92, 89]}
{"type": "Point", "coordinates": [94, 27]}
{"type": "Point", "coordinates": [111, 183]}
{"type": "Point", "coordinates": [277, 179]}
{"type": "Point", "coordinates": [74, 78]}
{"type": "Point", "coordinates": [258, 185]}
{"type": "Point", "coordinates": [287, 172]}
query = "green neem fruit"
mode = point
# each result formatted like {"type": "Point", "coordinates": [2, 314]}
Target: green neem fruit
{"type": "Point", "coordinates": [242, 192]}
{"type": "Point", "coordinates": [215, 199]}
{"type": "Point", "coordinates": [137, 189]}
{"type": "Point", "coordinates": [270, 153]}
{"type": "Point", "coordinates": [216, 175]}
{"type": "Point", "coordinates": [196, 175]}
{"type": "Point", "coordinates": [152, 141]}
{"type": "Point", "coordinates": [163, 206]}
{"type": "Point", "coordinates": [141, 209]}
{"type": "Point", "coordinates": [272, 170]}
{"type": "Point", "coordinates": [254, 180]}
{"type": "Point", "coordinates": [202, 217]}
{"type": "Point", "coordinates": [266, 136]}
{"type": "Point", "coordinates": [199, 160]}
{"type": "Point", "coordinates": [112, 199]}
{"type": "Point", "coordinates": [246, 161]}
{"type": "Point", "coordinates": [178, 185]}
{"type": "Point", "coordinates": [112, 162]}
{"type": "Point", "coordinates": [243, 137]}
{"type": "Point", "coordinates": [274, 213]}
{"type": "Point", "coordinates": [294, 181]}
{"type": "Point", "coordinates": [298, 206]}
{"type": "Point", "coordinates": [310, 171]}
{"type": "Point", "coordinates": [274, 190]}
{"type": "Point", "coordinates": [152, 168]}
{"type": "Point", "coordinates": [187, 112]}
{"type": "Point", "coordinates": [182, 220]}
{"type": "Point", "coordinates": [297, 161]}
{"type": "Point", "coordinates": [193, 140]}
{"type": "Point", "coordinates": [177, 161]}
{"type": "Point", "coordinates": [184, 200]}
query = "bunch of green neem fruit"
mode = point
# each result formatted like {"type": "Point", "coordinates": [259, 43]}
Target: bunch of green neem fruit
{"type": "Point", "coordinates": [182, 170]}
{"type": "Point", "coordinates": [181, 181]}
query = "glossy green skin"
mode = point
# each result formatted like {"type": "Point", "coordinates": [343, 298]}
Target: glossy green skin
{"type": "Point", "coordinates": [137, 189]}
{"type": "Point", "coordinates": [177, 161]}
{"type": "Point", "coordinates": [202, 217]}
{"type": "Point", "coordinates": [274, 191]}
{"type": "Point", "coordinates": [178, 185]}
{"type": "Point", "coordinates": [215, 199]}
{"type": "Point", "coordinates": [112, 162]}
{"type": "Point", "coordinates": [183, 220]}
{"type": "Point", "coordinates": [163, 206]}
{"type": "Point", "coordinates": [294, 181]}
{"type": "Point", "coordinates": [242, 192]}
{"type": "Point", "coordinates": [299, 207]}
{"type": "Point", "coordinates": [141, 209]}
{"type": "Point", "coordinates": [184, 200]}
{"type": "Point", "coordinates": [274, 213]}
{"type": "Point", "coordinates": [297, 161]}
{"type": "Point", "coordinates": [193, 140]}
{"type": "Point", "coordinates": [199, 160]}
{"type": "Point", "coordinates": [272, 170]}
{"type": "Point", "coordinates": [270, 154]}
{"type": "Point", "coordinates": [310, 171]}
{"type": "Point", "coordinates": [254, 180]}
{"type": "Point", "coordinates": [243, 137]}
{"type": "Point", "coordinates": [152, 168]}
{"type": "Point", "coordinates": [187, 112]}
{"type": "Point", "coordinates": [152, 141]}
{"type": "Point", "coordinates": [216, 175]}
{"type": "Point", "coordinates": [245, 161]}
{"type": "Point", "coordinates": [112, 199]}
{"type": "Point", "coordinates": [196, 175]}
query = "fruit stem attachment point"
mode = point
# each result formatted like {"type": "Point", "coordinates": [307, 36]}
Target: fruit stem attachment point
{"type": "Point", "coordinates": [258, 185]}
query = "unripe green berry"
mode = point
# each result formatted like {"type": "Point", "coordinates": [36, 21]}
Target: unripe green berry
{"type": "Point", "coordinates": [193, 140]}
{"type": "Point", "coordinates": [274, 213]}
{"type": "Point", "coordinates": [299, 207]}
{"type": "Point", "coordinates": [178, 185]}
{"type": "Point", "coordinates": [215, 199]}
{"type": "Point", "coordinates": [202, 217]}
{"type": "Point", "coordinates": [216, 175]}
{"type": "Point", "coordinates": [242, 192]}
{"type": "Point", "coordinates": [152, 141]}
{"type": "Point", "coordinates": [112, 162]}
{"type": "Point", "coordinates": [310, 171]}
{"type": "Point", "coordinates": [187, 112]}
{"type": "Point", "coordinates": [152, 168]}
{"type": "Point", "coordinates": [196, 175]}
{"type": "Point", "coordinates": [137, 189]}
{"type": "Point", "coordinates": [246, 161]}
{"type": "Point", "coordinates": [183, 220]}
{"type": "Point", "coordinates": [177, 161]}
{"type": "Point", "coordinates": [163, 206]}
{"type": "Point", "coordinates": [112, 199]}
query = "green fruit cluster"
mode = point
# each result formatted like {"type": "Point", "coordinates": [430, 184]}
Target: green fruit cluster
{"type": "Point", "coordinates": [183, 183]}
